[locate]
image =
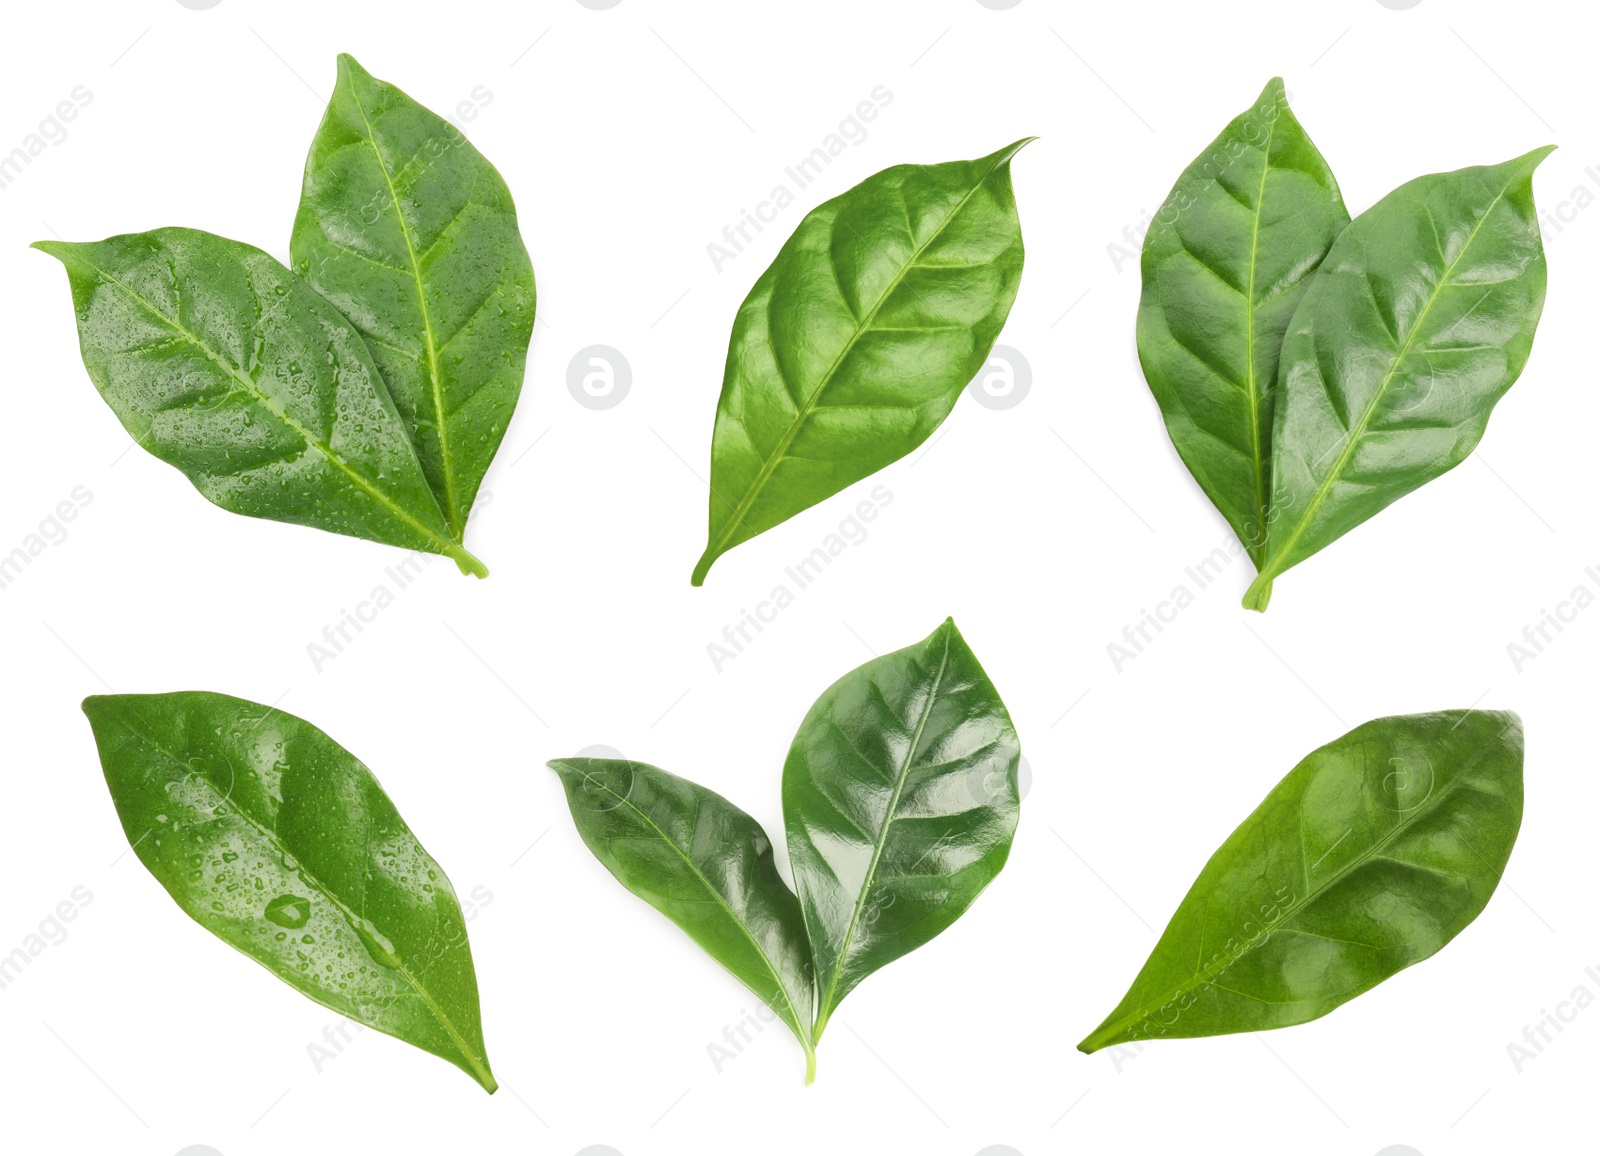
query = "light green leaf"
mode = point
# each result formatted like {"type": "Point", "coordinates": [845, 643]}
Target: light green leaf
{"type": "Point", "coordinates": [1369, 856]}
{"type": "Point", "coordinates": [1420, 318]}
{"type": "Point", "coordinates": [858, 339]}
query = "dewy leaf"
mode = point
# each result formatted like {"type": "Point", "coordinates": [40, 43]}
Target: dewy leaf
{"type": "Point", "coordinates": [857, 341]}
{"type": "Point", "coordinates": [412, 234]}
{"type": "Point", "coordinates": [219, 361]}
{"type": "Point", "coordinates": [900, 797]}
{"type": "Point", "coordinates": [1371, 855]}
{"type": "Point", "coordinates": [1419, 319]}
{"type": "Point", "coordinates": [278, 841]}
{"type": "Point", "coordinates": [1225, 262]}
{"type": "Point", "coordinates": [705, 865]}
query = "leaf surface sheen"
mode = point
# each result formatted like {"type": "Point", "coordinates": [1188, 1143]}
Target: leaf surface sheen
{"type": "Point", "coordinates": [222, 363]}
{"type": "Point", "coordinates": [278, 841]}
{"type": "Point", "coordinates": [1415, 325]}
{"type": "Point", "coordinates": [1225, 262]}
{"type": "Point", "coordinates": [857, 341]}
{"type": "Point", "coordinates": [1368, 857]}
{"type": "Point", "coordinates": [412, 233]}
{"type": "Point", "coordinates": [900, 796]}
{"type": "Point", "coordinates": [704, 864]}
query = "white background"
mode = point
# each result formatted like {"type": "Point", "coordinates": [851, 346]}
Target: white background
{"type": "Point", "coordinates": [630, 137]}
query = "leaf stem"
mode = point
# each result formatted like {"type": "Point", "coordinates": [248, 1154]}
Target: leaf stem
{"type": "Point", "coordinates": [466, 562]}
{"type": "Point", "coordinates": [1260, 592]}
{"type": "Point", "coordinates": [703, 567]}
{"type": "Point", "coordinates": [811, 1061]}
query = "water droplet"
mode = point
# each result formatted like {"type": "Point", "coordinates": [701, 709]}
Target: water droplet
{"type": "Point", "coordinates": [376, 943]}
{"type": "Point", "coordinates": [291, 911]}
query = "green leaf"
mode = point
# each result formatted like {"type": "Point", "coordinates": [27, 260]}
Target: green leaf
{"type": "Point", "coordinates": [278, 841]}
{"type": "Point", "coordinates": [1226, 260]}
{"type": "Point", "coordinates": [408, 230]}
{"type": "Point", "coordinates": [1371, 855]}
{"type": "Point", "coordinates": [900, 797]}
{"type": "Point", "coordinates": [705, 865]}
{"type": "Point", "coordinates": [858, 339]}
{"type": "Point", "coordinates": [1419, 319]}
{"type": "Point", "coordinates": [219, 361]}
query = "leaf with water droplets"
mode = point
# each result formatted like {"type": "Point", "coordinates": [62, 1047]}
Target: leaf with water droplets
{"type": "Point", "coordinates": [221, 362]}
{"type": "Point", "coordinates": [278, 841]}
{"type": "Point", "coordinates": [408, 230]}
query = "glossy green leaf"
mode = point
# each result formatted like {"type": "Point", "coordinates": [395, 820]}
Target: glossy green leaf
{"type": "Point", "coordinates": [221, 362]}
{"type": "Point", "coordinates": [278, 841]}
{"type": "Point", "coordinates": [1418, 320]}
{"type": "Point", "coordinates": [705, 865]}
{"type": "Point", "coordinates": [1226, 260]}
{"type": "Point", "coordinates": [858, 339]}
{"type": "Point", "coordinates": [1369, 856]}
{"type": "Point", "coordinates": [900, 797]}
{"type": "Point", "coordinates": [408, 230]}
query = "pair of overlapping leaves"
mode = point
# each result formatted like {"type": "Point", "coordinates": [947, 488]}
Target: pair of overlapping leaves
{"type": "Point", "coordinates": [366, 391]}
{"type": "Point", "coordinates": [1312, 369]}
{"type": "Point", "coordinates": [900, 799]}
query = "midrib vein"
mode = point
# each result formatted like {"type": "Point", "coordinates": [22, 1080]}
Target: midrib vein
{"type": "Point", "coordinates": [824, 1008]}
{"type": "Point", "coordinates": [694, 868]}
{"type": "Point", "coordinates": [736, 519]}
{"type": "Point", "coordinates": [477, 1062]}
{"type": "Point", "coordinates": [1257, 461]}
{"type": "Point", "coordinates": [267, 402]}
{"type": "Point", "coordinates": [435, 386]}
{"type": "Point", "coordinates": [1360, 431]}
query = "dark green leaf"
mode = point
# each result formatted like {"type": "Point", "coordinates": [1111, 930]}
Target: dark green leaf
{"type": "Point", "coordinates": [1226, 260]}
{"type": "Point", "coordinates": [900, 798]}
{"type": "Point", "coordinates": [221, 362]}
{"type": "Point", "coordinates": [278, 841]}
{"type": "Point", "coordinates": [705, 865]}
{"type": "Point", "coordinates": [857, 341]}
{"type": "Point", "coordinates": [1419, 319]}
{"type": "Point", "coordinates": [1371, 855]}
{"type": "Point", "coordinates": [412, 234]}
